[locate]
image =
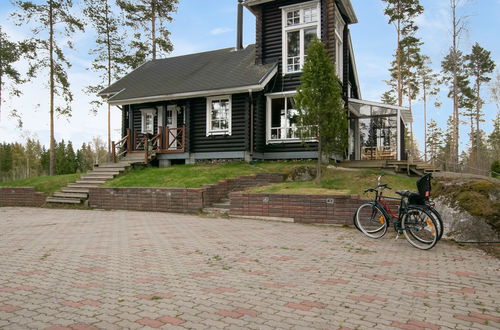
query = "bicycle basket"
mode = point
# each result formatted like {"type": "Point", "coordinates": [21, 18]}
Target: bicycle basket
{"type": "Point", "coordinates": [424, 186]}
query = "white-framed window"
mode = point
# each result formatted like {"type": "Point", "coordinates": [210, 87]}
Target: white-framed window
{"type": "Point", "coordinates": [301, 24]}
{"type": "Point", "coordinates": [148, 120]}
{"type": "Point", "coordinates": [339, 44]}
{"type": "Point", "coordinates": [219, 115]}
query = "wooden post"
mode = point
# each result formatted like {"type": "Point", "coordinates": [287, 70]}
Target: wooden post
{"type": "Point", "coordinates": [146, 150]}
{"type": "Point", "coordinates": [129, 140]}
{"type": "Point", "coordinates": [160, 139]}
{"type": "Point", "coordinates": [167, 140]}
{"type": "Point", "coordinates": [183, 138]}
{"type": "Point", "coordinates": [113, 151]}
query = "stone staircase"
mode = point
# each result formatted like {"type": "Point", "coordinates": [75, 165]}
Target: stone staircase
{"type": "Point", "coordinates": [221, 208]}
{"type": "Point", "coordinates": [78, 193]}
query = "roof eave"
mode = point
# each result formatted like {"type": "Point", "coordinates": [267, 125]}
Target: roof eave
{"type": "Point", "coordinates": [234, 90]}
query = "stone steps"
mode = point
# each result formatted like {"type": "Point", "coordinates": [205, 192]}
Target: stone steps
{"type": "Point", "coordinates": [71, 195]}
{"type": "Point", "coordinates": [78, 192]}
{"type": "Point", "coordinates": [63, 200]}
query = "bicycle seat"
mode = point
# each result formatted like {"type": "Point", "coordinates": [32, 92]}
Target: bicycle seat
{"type": "Point", "coordinates": [413, 198]}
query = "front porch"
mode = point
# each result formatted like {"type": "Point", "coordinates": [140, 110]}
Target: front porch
{"type": "Point", "coordinates": [168, 140]}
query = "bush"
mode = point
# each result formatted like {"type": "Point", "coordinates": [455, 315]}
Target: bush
{"type": "Point", "coordinates": [495, 169]}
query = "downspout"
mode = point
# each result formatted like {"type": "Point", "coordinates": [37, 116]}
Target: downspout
{"type": "Point", "coordinates": [250, 94]}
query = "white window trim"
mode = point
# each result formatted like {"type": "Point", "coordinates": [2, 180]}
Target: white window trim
{"type": "Point", "coordinates": [270, 97]}
{"type": "Point", "coordinates": [300, 27]}
{"type": "Point", "coordinates": [339, 58]}
{"type": "Point", "coordinates": [210, 131]}
{"type": "Point", "coordinates": [145, 112]}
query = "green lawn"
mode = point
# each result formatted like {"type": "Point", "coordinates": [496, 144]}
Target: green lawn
{"type": "Point", "coordinates": [196, 176]}
{"type": "Point", "coordinates": [44, 184]}
{"type": "Point", "coordinates": [342, 181]}
{"type": "Point", "coordinates": [335, 181]}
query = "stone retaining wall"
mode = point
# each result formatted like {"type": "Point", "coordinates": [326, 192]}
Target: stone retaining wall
{"type": "Point", "coordinates": [323, 209]}
{"type": "Point", "coordinates": [147, 199]}
{"type": "Point", "coordinates": [180, 200]}
{"type": "Point", "coordinates": [217, 191]}
{"type": "Point", "coordinates": [21, 196]}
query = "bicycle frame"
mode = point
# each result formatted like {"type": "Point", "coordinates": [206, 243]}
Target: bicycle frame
{"type": "Point", "coordinates": [380, 201]}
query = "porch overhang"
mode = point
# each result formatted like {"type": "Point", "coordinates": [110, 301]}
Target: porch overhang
{"type": "Point", "coordinates": [404, 112]}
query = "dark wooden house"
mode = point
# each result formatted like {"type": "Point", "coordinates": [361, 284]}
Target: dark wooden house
{"type": "Point", "coordinates": [237, 103]}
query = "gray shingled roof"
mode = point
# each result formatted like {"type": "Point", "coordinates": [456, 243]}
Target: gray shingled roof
{"type": "Point", "coordinates": [209, 71]}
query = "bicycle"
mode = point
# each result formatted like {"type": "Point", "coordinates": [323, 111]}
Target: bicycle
{"type": "Point", "coordinates": [417, 223]}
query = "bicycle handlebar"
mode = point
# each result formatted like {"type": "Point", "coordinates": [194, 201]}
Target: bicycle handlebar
{"type": "Point", "coordinates": [383, 186]}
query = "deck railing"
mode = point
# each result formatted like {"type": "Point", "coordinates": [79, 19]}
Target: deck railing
{"type": "Point", "coordinates": [168, 140]}
{"type": "Point", "coordinates": [121, 147]}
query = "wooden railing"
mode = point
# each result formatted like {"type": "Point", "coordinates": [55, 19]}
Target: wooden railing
{"type": "Point", "coordinates": [176, 139]}
{"type": "Point", "coordinates": [153, 146]}
{"type": "Point", "coordinates": [121, 147]}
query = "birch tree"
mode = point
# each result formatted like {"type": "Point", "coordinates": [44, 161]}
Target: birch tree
{"type": "Point", "coordinates": [51, 19]}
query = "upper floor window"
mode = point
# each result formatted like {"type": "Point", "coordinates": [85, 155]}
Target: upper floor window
{"type": "Point", "coordinates": [219, 115]}
{"type": "Point", "coordinates": [301, 24]}
{"type": "Point", "coordinates": [339, 45]}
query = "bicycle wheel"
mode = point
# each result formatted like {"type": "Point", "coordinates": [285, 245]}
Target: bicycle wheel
{"type": "Point", "coordinates": [439, 221]}
{"type": "Point", "coordinates": [371, 221]}
{"type": "Point", "coordinates": [420, 228]}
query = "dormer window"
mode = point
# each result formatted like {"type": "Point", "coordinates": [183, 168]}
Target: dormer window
{"type": "Point", "coordinates": [301, 24]}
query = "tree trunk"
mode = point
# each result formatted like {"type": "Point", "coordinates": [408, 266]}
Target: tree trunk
{"type": "Point", "coordinates": [478, 110]}
{"type": "Point", "coordinates": [456, 115]}
{"type": "Point", "coordinates": [153, 27]}
{"type": "Point", "coordinates": [318, 165]}
{"type": "Point", "coordinates": [398, 59]}
{"type": "Point", "coordinates": [108, 41]}
{"type": "Point", "coordinates": [425, 120]}
{"type": "Point", "coordinates": [52, 154]}
{"type": "Point", "coordinates": [412, 146]}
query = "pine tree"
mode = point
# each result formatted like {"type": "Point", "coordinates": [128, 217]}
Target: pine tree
{"type": "Point", "coordinates": [478, 66]}
{"type": "Point", "coordinates": [148, 16]}
{"type": "Point", "coordinates": [453, 74]}
{"type": "Point", "coordinates": [61, 158]}
{"type": "Point", "coordinates": [321, 109]}
{"type": "Point", "coordinates": [52, 16]}
{"type": "Point", "coordinates": [9, 54]}
{"type": "Point", "coordinates": [70, 161]}
{"type": "Point", "coordinates": [494, 139]}
{"type": "Point", "coordinates": [428, 83]}
{"type": "Point", "coordinates": [434, 140]}
{"type": "Point", "coordinates": [108, 53]}
{"type": "Point", "coordinates": [402, 13]}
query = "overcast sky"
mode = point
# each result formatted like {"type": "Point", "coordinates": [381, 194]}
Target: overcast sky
{"type": "Point", "coordinates": [202, 25]}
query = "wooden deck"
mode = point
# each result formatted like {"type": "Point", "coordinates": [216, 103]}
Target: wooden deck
{"type": "Point", "coordinates": [417, 168]}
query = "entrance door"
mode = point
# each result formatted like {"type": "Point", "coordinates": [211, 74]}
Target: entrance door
{"type": "Point", "coordinates": [172, 123]}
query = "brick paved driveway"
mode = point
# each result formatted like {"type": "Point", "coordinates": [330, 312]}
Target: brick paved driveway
{"type": "Point", "coordinates": [67, 269]}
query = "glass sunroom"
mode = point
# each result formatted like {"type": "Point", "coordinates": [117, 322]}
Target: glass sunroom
{"type": "Point", "coordinates": [377, 131]}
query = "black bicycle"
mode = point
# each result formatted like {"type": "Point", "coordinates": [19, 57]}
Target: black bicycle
{"type": "Point", "coordinates": [416, 222]}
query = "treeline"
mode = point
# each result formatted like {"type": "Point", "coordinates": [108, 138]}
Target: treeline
{"type": "Point", "coordinates": [127, 34]}
{"type": "Point", "coordinates": [482, 160]}
{"type": "Point", "coordinates": [465, 75]}
{"type": "Point", "coordinates": [31, 159]}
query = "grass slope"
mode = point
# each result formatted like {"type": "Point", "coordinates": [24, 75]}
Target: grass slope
{"type": "Point", "coordinates": [335, 181]}
{"type": "Point", "coordinates": [342, 181]}
{"type": "Point", "coordinates": [44, 184]}
{"type": "Point", "coordinates": [196, 176]}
